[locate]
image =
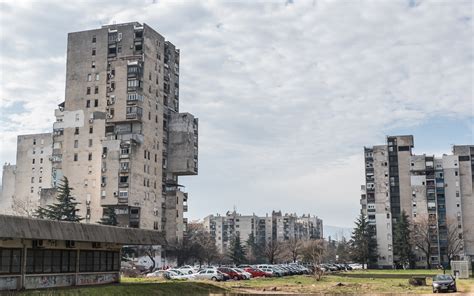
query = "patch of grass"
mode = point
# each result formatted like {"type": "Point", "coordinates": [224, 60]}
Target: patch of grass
{"type": "Point", "coordinates": [356, 282]}
{"type": "Point", "coordinates": [135, 287]}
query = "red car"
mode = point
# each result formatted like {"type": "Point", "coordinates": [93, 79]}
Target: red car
{"type": "Point", "coordinates": [231, 273]}
{"type": "Point", "coordinates": [257, 272]}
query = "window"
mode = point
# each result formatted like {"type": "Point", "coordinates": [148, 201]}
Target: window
{"type": "Point", "coordinates": [93, 64]}
{"type": "Point", "coordinates": [32, 189]}
{"type": "Point", "coordinates": [88, 92]}
{"type": "Point", "coordinates": [76, 131]}
{"type": "Point", "coordinates": [96, 103]}
{"type": "Point", "coordinates": [94, 39]}
{"type": "Point", "coordinates": [76, 143]}
{"type": "Point", "coordinates": [10, 261]}
{"type": "Point", "coordinates": [32, 179]}
{"type": "Point", "coordinates": [33, 161]}
{"type": "Point", "coordinates": [91, 129]}
{"type": "Point", "coordinates": [34, 141]}
{"type": "Point", "coordinates": [89, 77]}
{"type": "Point", "coordinates": [99, 261]}
{"type": "Point", "coordinates": [75, 157]}
{"type": "Point", "coordinates": [93, 51]}
{"type": "Point", "coordinates": [90, 142]}
{"type": "Point", "coordinates": [40, 180]}
{"type": "Point", "coordinates": [96, 90]}
{"type": "Point", "coordinates": [97, 77]}
{"type": "Point", "coordinates": [88, 103]}
{"type": "Point", "coordinates": [50, 261]}
{"type": "Point", "coordinates": [90, 156]}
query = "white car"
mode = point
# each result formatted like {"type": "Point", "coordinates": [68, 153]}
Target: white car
{"type": "Point", "coordinates": [156, 273]}
{"type": "Point", "coordinates": [177, 275]}
{"type": "Point", "coordinates": [209, 274]}
{"type": "Point", "coordinates": [187, 269]}
{"type": "Point", "coordinates": [356, 266]}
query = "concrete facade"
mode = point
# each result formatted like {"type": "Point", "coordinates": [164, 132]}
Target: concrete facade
{"type": "Point", "coordinates": [465, 187]}
{"type": "Point", "coordinates": [22, 183]}
{"type": "Point", "coordinates": [265, 229]}
{"type": "Point", "coordinates": [421, 186]}
{"type": "Point", "coordinates": [8, 189]}
{"type": "Point", "coordinates": [118, 136]}
{"type": "Point", "coordinates": [37, 254]}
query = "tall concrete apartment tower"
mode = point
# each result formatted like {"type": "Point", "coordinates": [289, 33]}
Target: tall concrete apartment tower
{"type": "Point", "coordinates": [423, 186]}
{"type": "Point", "coordinates": [119, 137]}
{"type": "Point", "coordinates": [465, 188]}
{"type": "Point", "coordinates": [387, 189]}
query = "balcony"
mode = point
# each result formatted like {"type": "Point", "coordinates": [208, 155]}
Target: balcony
{"type": "Point", "coordinates": [134, 113]}
{"type": "Point", "coordinates": [56, 158]}
{"type": "Point", "coordinates": [185, 208]}
{"type": "Point", "coordinates": [123, 200]}
{"type": "Point", "coordinates": [123, 184]}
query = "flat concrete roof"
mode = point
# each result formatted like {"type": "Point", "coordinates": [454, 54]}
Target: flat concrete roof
{"type": "Point", "coordinates": [17, 227]}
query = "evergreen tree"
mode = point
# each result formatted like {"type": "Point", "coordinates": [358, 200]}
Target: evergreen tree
{"type": "Point", "coordinates": [252, 249]}
{"type": "Point", "coordinates": [402, 249]}
{"type": "Point", "coordinates": [343, 251]}
{"type": "Point", "coordinates": [109, 217]}
{"type": "Point", "coordinates": [363, 243]}
{"type": "Point", "coordinates": [237, 251]}
{"type": "Point", "coordinates": [65, 207]}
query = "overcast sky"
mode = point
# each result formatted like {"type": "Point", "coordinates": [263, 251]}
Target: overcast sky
{"type": "Point", "coordinates": [287, 92]}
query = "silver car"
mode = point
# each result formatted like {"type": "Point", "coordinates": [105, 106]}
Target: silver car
{"type": "Point", "coordinates": [210, 274]}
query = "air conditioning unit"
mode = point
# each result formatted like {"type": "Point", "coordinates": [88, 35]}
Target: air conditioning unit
{"type": "Point", "coordinates": [102, 184]}
{"type": "Point", "coordinates": [115, 193]}
{"type": "Point", "coordinates": [91, 120]}
{"type": "Point", "coordinates": [104, 155]}
{"type": "Point", "coordinates": [96, 245]}
{"type": "Point", "coordinates": [88, 202]}
{"type": "Point", "coordinates": [104, 170]}
{"type": "Point", "coordinates": [70, 244]}
{"type": "Point", "coordinates": [110, 116]}
{"type": "Point", "coordinates": [37, 243]}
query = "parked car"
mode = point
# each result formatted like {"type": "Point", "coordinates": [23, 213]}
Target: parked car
{"type": "Point", "coordinates": [210, 274]}
{"type": "Point", "coordinates": [268, 270]}
{"type": "Point", "coordinates": [187, 269]}
{"type": "Point", "coordinates": [176, 275]}
{"type": "Point", "coordinates": [255, 272]}
{"type": "Point", "coordinates": [247, 275]}
{"type": "Point", "coordinates": [156, 273]}
{"type": "Point", "coordinates": [444, 283]}
{"type": "Point", "coordinates": [231, 273]}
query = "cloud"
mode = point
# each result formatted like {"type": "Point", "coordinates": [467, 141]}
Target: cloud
{"type": "Point", "coordinates": [287, 93]}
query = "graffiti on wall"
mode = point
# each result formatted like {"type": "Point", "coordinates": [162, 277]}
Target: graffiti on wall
{"type": "Point", "coordinates": [96, 279]}
{"type": "Point", "coordinates": [8, 283]}
{"type": "Point", "coordinates": [48, 281]}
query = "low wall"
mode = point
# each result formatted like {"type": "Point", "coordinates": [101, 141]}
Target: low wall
{"type": "Point", "coordinates": [44, 281]}
{"type": "Point", "coordinates": [9, 282]}
{"type": "Point", "coordinates": [97, 279]}
{"type": "Point", "coordinates": [48, 281]}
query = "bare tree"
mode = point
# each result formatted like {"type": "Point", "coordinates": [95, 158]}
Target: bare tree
{"type": "Point", "coordinates": [454, 241]}
{"type": "Point", "coordinates": [293, 247]}
{"type": "Point", "coordinates": [423, 230]}
{"type": "Point", "coordinates": [313, 251]}
{"type": "Point", "coordinates": [272, 250]}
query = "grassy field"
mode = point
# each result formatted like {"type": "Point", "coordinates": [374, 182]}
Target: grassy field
{"type": "Point", "coordinates": [141, 287]}
{"type": "Point", "coordinates": [354, 282]}
{"type": "Point", "coordinates": [359, 282]}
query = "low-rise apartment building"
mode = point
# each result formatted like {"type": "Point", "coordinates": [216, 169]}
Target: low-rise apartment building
{"type": "Point", "coordinates": [274, 227]}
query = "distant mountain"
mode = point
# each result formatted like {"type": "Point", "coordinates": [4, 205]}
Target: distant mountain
{"type": "Point", "coordinates": [337, 233]}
